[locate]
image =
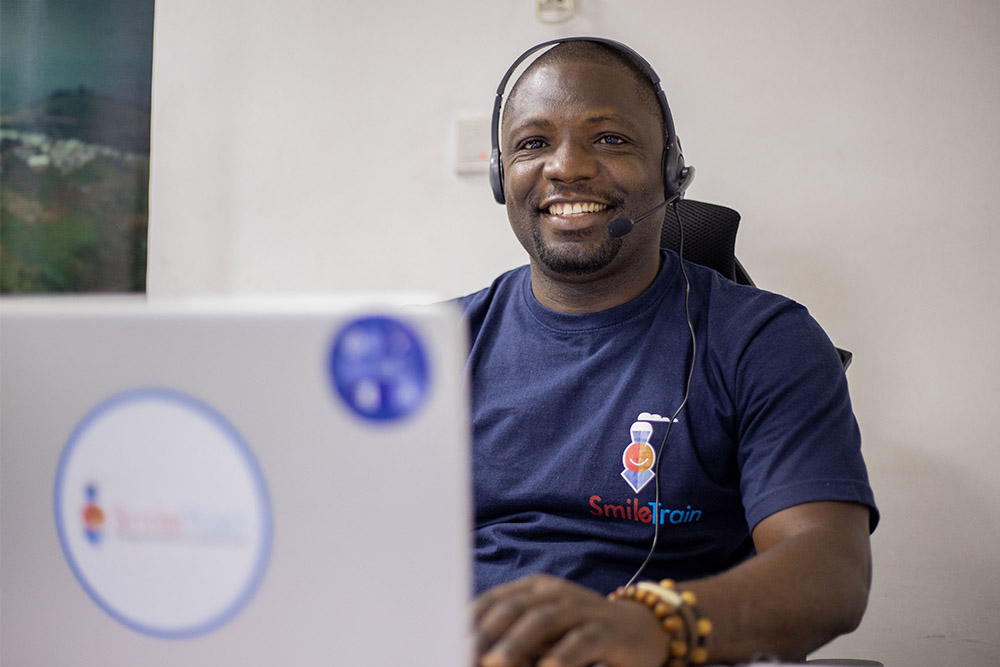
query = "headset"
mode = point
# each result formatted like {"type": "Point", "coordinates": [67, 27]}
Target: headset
{"type": "Point", "coordinates": [676, 175]}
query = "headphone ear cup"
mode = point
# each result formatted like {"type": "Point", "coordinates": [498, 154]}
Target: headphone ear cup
{"type": "Point", "coordinates": [496, 176]}
{"type": "Point", "coordinates": [668, 189]}
{"type": "Point", "coordinates": [673, 170]}
{"type": "Point", "coordinates": [669, 173]}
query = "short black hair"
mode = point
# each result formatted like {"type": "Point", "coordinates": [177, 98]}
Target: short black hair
{"type": "Point", "coordinates": [603, 54]}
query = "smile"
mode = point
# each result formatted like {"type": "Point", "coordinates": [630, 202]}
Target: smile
{"type": "Point", "coordinates": [564, 209]}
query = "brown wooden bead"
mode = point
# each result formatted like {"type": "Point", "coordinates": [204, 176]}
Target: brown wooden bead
{"type": "Point", "coordinates": [699, 656]}
{"type": "Point", "coordinates": [673, 623]}
{"type": "Point", "coordinates": [662, 609]}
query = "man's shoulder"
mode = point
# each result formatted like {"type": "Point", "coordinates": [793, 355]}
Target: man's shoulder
{"type": "Point", "coordinates": [738, 319]}
{"type": "Point", "coordinates": [724, 299]}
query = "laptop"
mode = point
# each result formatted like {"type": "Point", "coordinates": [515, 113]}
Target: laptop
{"type": "Point", "coordinates": [233, 482]}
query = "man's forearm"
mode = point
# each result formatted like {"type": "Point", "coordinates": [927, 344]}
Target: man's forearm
{"type": "Point", "coordinates": [808, 584]}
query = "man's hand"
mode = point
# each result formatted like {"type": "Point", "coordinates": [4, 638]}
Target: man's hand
{"type": "Point", "coordinates": [561, 624]}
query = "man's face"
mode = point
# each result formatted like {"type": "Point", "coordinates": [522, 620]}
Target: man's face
{"type": "Point", "coordinates": [579, 149]}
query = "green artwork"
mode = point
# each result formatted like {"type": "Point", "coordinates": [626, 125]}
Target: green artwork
{"type": "Point", "coordinates": [74, 144]}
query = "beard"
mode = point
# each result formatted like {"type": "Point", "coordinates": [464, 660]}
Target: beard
{"type": "Point", "coordinates": [574, 257]}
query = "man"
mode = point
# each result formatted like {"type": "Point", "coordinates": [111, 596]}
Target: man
{"type": "Point", "coordinates": [590, 436]}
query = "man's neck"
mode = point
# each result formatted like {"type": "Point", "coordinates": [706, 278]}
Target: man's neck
{"type": "Point", "coordinates": [592, 294]}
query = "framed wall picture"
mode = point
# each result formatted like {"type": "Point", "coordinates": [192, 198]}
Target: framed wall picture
{"type": "Point", "coordinates": [74, 144]}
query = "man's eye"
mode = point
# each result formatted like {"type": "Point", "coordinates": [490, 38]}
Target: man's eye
{"type": "Point", "coordinates": [532, 144]}
{"type": "Point", "coordinates": [611, 139]}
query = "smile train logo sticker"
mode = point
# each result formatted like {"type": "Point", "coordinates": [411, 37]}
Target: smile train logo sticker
{"type": "Point", "coordinates": [163, 513]}
{"type": "Point", "coordinates": [639, 457]}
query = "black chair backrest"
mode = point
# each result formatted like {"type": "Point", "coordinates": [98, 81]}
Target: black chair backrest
{"type": "Point", "coordinates": [710, 240]}
{"type": "Point", "coordinates": [709, 235]}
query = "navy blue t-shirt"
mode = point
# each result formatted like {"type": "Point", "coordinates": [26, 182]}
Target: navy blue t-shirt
{"type": "Point", "coordinates": [569, 413]}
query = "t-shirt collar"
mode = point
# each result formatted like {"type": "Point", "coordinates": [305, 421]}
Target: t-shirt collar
{"type": "Point", "coordinates": [617, 315]}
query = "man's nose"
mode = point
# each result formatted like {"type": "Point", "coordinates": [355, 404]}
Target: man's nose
{"type": "Point", "coordinates": [570, 161]}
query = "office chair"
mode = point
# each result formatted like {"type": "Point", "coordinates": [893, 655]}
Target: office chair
{"type": "Point", "coordinates": [710, 240]}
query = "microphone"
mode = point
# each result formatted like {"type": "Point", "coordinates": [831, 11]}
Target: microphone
{"type": "Point", "coordinates": [623, 224]}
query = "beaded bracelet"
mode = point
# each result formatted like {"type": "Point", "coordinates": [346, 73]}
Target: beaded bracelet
{"type": "Point", "coordinates": [678, 614]}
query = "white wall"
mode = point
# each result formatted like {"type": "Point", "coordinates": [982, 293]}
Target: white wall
{"type": "Point", "coordinates": [306, 146]}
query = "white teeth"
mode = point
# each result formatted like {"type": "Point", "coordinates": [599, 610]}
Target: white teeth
{"type": "Point", "coordinates": [576, 208]}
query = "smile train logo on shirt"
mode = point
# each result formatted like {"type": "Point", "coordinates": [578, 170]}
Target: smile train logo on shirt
{"type": "Point", "coordinates": [639, 457]}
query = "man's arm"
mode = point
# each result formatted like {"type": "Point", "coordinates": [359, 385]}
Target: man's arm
{"type": "Point", "coordinates": [807, 584]}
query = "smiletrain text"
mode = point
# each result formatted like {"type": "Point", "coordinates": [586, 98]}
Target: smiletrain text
{"type": "Point", "coordinates": [632, 511]}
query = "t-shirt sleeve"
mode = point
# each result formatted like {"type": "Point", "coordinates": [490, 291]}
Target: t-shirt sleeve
{"type": "Point", "coordinates": [799, 441]}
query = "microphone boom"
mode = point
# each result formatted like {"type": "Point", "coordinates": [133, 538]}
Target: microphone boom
{"type": "Point", "coordinates": [622, 225]}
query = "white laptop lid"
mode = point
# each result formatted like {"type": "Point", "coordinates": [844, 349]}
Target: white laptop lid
{"type": "Point", "coordinates": [251, 483]}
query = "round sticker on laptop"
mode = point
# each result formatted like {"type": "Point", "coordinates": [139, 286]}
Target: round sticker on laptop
{"type": "Point", "coordinates": [163, 513]}
{"type": "Point", "coordinates": [379, 368]}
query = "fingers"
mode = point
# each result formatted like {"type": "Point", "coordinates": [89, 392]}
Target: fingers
{"type": "Point", "coordinates": [580, 646]}
{"type": "Point", "coordinates": [616, 634]}
{"type": "Point", "coordinates": [530, 636]}
{"type": "Point", "coordinates": [559, 624]}
{"type": "Point", "coordinates": [518, 622]}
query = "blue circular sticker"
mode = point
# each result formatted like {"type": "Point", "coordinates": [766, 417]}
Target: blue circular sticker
{"type": "Point", "coordinates": [379, 368]}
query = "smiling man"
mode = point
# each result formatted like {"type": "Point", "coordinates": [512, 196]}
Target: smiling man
{"type": "Point", "coordinates": [582, 145]}
{"type": "Point", "coordinates": [636, 413]}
